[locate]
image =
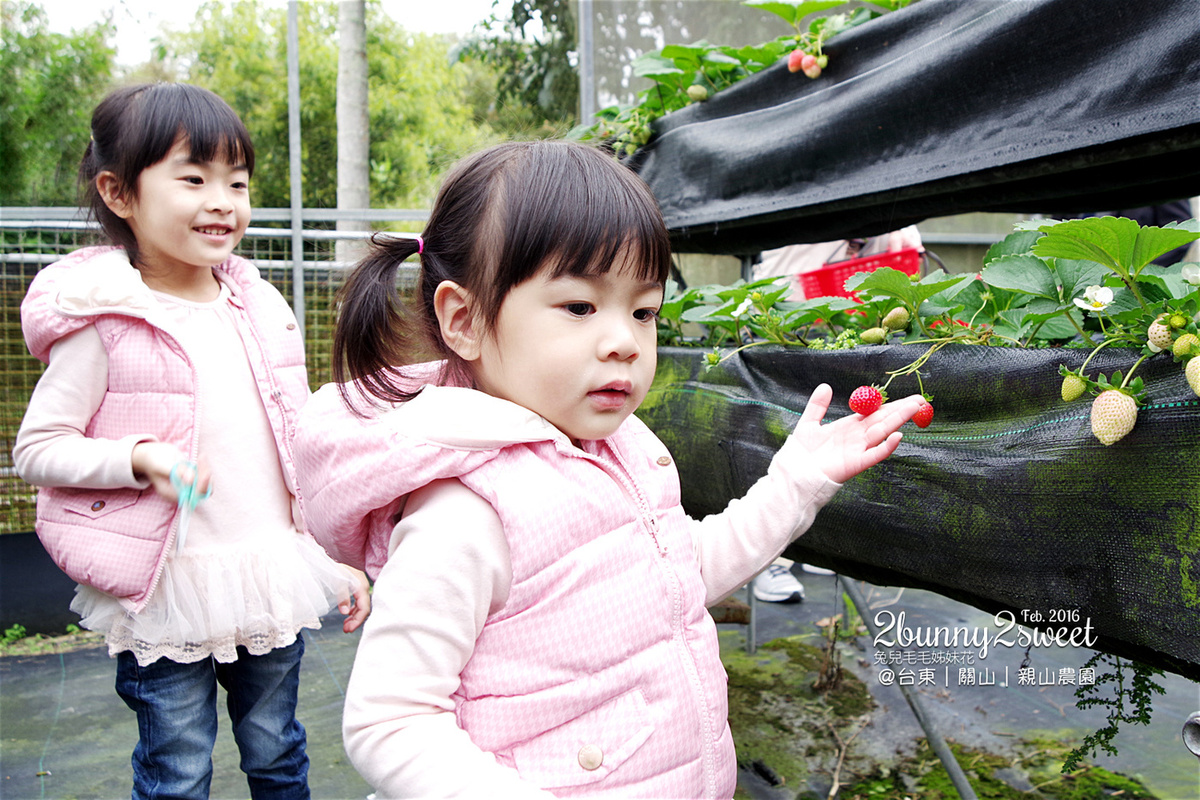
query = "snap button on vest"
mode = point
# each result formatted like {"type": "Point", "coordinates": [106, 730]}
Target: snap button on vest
{"type": "Point", "coordinates": [664, 461]}
{"type": "Point", "coordinates": [591, 757]}
{"type": "Point", "coordinates": [291, 326]}
{"type": "Point", "coordinates": [98, 505]}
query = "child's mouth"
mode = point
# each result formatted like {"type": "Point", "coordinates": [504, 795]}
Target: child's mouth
{"type": "Point", "coordinates": [611, 397]}
{"type": "Point", "coordinates": [214, 230]}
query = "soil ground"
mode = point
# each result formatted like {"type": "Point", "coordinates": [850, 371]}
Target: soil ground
{"type": "Point", "coordinates": [64, 733]}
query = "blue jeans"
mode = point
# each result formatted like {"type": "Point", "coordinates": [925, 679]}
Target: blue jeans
{"type": "Point", "coordinates": [176, 706]}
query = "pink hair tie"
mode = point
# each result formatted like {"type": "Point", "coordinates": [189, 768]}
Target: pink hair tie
{"type": "Point", "coordinates": [420, 244]}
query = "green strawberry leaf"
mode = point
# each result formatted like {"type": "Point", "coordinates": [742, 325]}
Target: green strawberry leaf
{"type": "Point", "coordinates": [1021, 273]}
{"type": "Point", "coordinates": [1115, 242]}
{"type": "Point", "coordinates": [655, 66]}
{"type": "Point", "coordinates": [793, 10]}
{"type": "Point", "coordinates": [1075, 276]}
{"type": "Point", "coordinates": [890, 282]}
{"type": "Point", "coordinates": [1017, 243]}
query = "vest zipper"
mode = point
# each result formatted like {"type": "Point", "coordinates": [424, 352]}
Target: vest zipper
{"type": "Point", "coordinates": [193, 454]}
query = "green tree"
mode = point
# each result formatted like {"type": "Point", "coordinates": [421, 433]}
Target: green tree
{"type": "Point", "coordinates": [534, 53]}
{"type": "Point", "coordinates": [420, 119]}
{"type": "Point", "coordinates": [49, 83]}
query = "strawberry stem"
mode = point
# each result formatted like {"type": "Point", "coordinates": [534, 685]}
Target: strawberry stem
{"type": "Point", "coordinates": [1132, 369]}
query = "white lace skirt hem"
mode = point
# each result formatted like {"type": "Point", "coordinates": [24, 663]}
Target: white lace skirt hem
{"type": "Point", "coordinates": [209, 603]}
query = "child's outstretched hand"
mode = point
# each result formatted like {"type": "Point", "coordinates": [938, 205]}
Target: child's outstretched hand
{"type": "Point", "coordinates": [357, 607]}
{"type": "Point", "coordinates": [847, 446]}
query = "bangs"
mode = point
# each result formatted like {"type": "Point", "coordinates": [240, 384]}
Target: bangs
{"type": "Point", "coordinates": [214, 133]}
{"type": "Point", "coordinates": [578, 212]}
{"type": "Point", "coordinates": [211, 129]}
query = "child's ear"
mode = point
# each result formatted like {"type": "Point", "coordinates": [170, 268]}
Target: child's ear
{"type": "Point", "coordinates": [113, 194]}
{"type": "Point", "coordinates": [456, 320]}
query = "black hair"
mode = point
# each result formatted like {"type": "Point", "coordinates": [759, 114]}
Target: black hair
{"type": "Point", "coordinates": [501, 216]}
{"type": "Point", "coordinates": [134, 127]}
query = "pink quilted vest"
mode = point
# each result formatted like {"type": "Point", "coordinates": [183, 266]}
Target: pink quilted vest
{"type": "Point", "coordinates": [117, 540]}
{"type": "Point", "coordinates": [601, 674]}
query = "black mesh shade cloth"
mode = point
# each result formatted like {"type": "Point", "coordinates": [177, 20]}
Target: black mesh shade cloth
{"type": "Point", "coordinates": [941, 108]}
{"type": "Point", "coordinates": [1006, 501]}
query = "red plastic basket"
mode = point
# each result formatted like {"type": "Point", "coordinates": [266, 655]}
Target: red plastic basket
{"type": "Point", "coordinates": [830, 280]}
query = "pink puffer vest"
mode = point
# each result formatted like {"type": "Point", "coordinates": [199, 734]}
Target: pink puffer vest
{"type": "Point", "coordinates": [601, 674]}
{"type": "Point", "coordinates": [117, 540]}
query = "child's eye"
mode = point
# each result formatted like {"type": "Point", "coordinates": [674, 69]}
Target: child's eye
{"type": "Point", "coordinates": [646, 314]}
{"type": "Point", "coordinates": [578, 309]}
{"type": "Point", "coordinates": [195, 180]}
{"type": "Point", "coordinates": [241, 185]}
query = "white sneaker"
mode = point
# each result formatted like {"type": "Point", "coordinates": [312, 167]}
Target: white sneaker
{"type": "Point", "coordinates": [777, 584]}
{"type": "Point", "coordinates": [815, 570]}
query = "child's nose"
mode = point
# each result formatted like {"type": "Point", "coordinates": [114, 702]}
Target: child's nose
{"type": "Point", "coordinates": [219, 199]}
{"type": "Point", "coordinates": [621, 342]}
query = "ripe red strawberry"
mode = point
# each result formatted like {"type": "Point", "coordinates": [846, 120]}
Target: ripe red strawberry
{"type": "Point", "coordinates": [924, 415]}
{"type": "Point", "coordinates": [866, 400]}
{"type": "Point", "coordinates": [1113, 415]}
{"type": "Point", "coordinates": [794, 59]}
{"type": "Point", "coordinates": [809, 64]}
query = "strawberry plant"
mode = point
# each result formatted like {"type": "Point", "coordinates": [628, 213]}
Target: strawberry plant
{"type": "Point", "coordinates": [683, 74]}
{"type": "Point", "coordinates": [1086, 283]}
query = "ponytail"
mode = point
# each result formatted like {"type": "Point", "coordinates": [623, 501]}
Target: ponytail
{"type": "Point", "coordinates": [376, 331]}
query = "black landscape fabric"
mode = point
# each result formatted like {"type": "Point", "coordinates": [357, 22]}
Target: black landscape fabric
{"type": "Point", "coordinates": [1006, 501]}
{"type": "Point", "coordinates": [941, 108]}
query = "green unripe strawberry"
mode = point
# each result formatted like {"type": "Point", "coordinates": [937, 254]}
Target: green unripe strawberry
{"type": "Point", "coordinates": [896, 319]}
{"type": "Point", "coordinates": [1114, 414]}
{"type": "Point", "coordinates": [1072, 387]}
{"type": "Point", "coordinates": [1192, 372]}
{"type": "Point", "coordinates": [1177, 320]}
{"type": "Point", "coordinates": [697, 92]}
{"type": "Point", "coordinates": [873, 336]}
{"type": "Point", "coordinates": [1185, 345]}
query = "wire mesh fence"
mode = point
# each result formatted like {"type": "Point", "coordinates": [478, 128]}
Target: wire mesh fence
{"type": "Point", "coordinates": [31, 238]}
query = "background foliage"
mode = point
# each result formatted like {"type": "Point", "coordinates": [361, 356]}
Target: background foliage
{"type": "Point", "coordinates": [430, 103]}
{"type": "Point", "coordinates": [45, 80]}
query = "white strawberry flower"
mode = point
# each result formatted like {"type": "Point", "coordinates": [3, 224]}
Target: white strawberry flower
{"type": "Point", "coordinates": [1191, 274]}
{"type": "Point", "coordinates": [1095, 298]}
{"type": "Point", "coordinates": [746, 305]}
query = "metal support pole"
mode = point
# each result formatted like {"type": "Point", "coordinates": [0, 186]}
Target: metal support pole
{"type": "Point", "coordinates": [587, 64]}
{"type": "Point", "coordinates": [752, 625]}
{"type": "Point", "coordinates": [297, 196]}
{"type": "Point", "coordinates": [957, 777]}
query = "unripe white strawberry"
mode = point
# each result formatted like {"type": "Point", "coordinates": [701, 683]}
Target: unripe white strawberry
{"type": "Point", "coordinates": [1186, 345]}
{"type": "Point", "coordinates": [896, 319]}
{"type": "Point", "coordinates": [873, 336]}
{"type": "Point", "coordinates": [697, 92]}
{"type": "Point", "coordinates": [1073, 387]}
{"type": "Point", "coordinates": [1113, 415]}
{"type": "Point", "coordinates": [1192, 371]}
{"type": "Point", "coordinates": [1158, 336]}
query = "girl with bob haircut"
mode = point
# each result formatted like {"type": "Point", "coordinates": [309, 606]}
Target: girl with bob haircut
{"type": "Point", "coordinates": [174, 372]}
{"type": "Point", "coordinates": [540, 624]}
